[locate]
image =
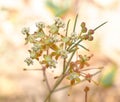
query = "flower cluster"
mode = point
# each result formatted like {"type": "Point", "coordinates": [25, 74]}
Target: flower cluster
{"type": "Point", "coordinates": [75, 69]}
{"type": "Point", "coordinates": [87, 36]}
{"type": "Point", "coordinates": [49, 44]}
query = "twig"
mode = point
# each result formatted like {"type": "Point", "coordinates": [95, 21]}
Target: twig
{"type": "Point", "coordinates": [100, 25]}
{"type": "Point", "coordinates": [75, 23]}
{"type": "Point", "coordinates": [75, 44]}
{"type": "Point", "coordinates": [25, 69]}
{"type": "Point", "coordinates": [86, 93]}
{"type": "Point", "coordinates": [57, 83]}
{"type": "Point", "coordinates": [65, 44]}
{"type": "Point", "coordinates": [90, 69]}
{"type": "Point", "coordinates": [67, 27]}
{"type": "Point", "coordinates": [69, 61]}
{"type": "Point", "coordinates": [46, 80]}
{"type": "Point", "coordinates": [83, 47]}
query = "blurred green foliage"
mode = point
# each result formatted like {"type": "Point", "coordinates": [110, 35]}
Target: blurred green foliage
{"type": "Point", "coordinates": [59, 9]}
{"type": "Point", "coordinates": [108, 78]}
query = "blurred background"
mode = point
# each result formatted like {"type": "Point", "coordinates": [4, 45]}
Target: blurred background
{"type": "Point", "coordinates": [17, 85]}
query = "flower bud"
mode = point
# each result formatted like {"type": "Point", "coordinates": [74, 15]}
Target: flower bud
{"type": "Point", "coordinates": [25, 31]}
{"type": "Point", "coordinates": [40, 25]}
{"type": "Point", "coordinates": [28, 61]}
{"type": "Point", "coordinates": [85, 37]}
{"type": "Point", "coordinates": [91, 32]}
{"type": "Point", "coordinates": [86, 89]}
{"type": "Point", "coordinates": [83, 24]}
{"type": "Point", "coordinates": [84, 30]}
{"type": "Point", "coordinates": [90, 38]}
{"type": "Point", "coordinates": [59, 22]}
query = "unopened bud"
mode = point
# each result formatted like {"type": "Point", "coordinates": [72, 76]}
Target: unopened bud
{"type": "Point", "coordinates": [85, 37]}
{"type": "Point", "coordinates": [83, 24]}
{"type": "Point", "coordinates": [90, 38]}
{"type": "Point", "coordinates": [84, 30]}
{"type": "Point", "coordinates": [91, 31]}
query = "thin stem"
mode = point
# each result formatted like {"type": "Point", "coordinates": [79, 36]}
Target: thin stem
{"type": "Point", "coordinates": [96, 73]}
{"type": "Point", "coordinates": [74, 45]}
{"type": "Point", "coordinates": [90, 69]}
{"type": "Point", "coordinates": [75, 23]}
{"type": "Point", "coordinates": [67, 27]}
{"type": "Point", "coordinates": [25, 69]}
{"type": "Point", "coordinates": [84, 47]}
{"type": "Point", "coordinates": [57, 83]}
{"type": "Point", "coordinates": [49, 100]}
{"type": "Point", "coordinates": [67, 86]}
{"type": "Point", "coordinates": [69, 61]}
{"type": "Point", "coordinates": [86, 89]}
{"type": "Point", "coordinates": [86, 96]}
{"type": "Point", "coordinates": [64, 62]}
{"type": "Point", "coordinates": [80, 34]}
{"type": "Point", "coordinates": [74, 27]}
{"type": "Point", "coordinates": [65, 44]}
{"type": "Point", "coordinates": [100, 26]}
{"type": "Point", "coordinates": [46, 80]}
{"type": "Point", "coordinates": [67, 30]}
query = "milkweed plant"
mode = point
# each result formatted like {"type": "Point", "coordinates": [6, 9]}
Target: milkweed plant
{"type": "Point", "coordinates": [49, 44]}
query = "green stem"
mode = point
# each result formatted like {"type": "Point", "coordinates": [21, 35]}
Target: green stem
{"type": "Point", "coordinates": [67, 31]}
{"type": "Point", "coordinates": [46, 80]}
{"type": "Point", "coordinates": [83, 47]}
{"type": "Point", "coordinates": [100, 26]}
{"type": "Point", "coordinates": [75, 23]}
{"type": "Point", "coordinates": [69, 61]}
{"type": "Point", "coordinates": [64, 61]}
{"type": "Point", "coordinates": [74, 28]}
{"type": "Point", "coordinates": [74, 45]}
{"type": "Point", "coordinates": [67, 27]}
{"type": "Point", "coordinates": [55, 86]}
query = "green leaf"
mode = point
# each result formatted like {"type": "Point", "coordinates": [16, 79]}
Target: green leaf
{"type": "Point", "coordinates": [107, 79]}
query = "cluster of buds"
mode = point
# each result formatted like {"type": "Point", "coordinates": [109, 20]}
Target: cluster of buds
{"type": "Point", "coordinates": [88, 35]}
{"type": "Point", "coordinates": [76, 68]}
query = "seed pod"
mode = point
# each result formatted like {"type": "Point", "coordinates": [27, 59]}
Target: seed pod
{"type": "Point", "coordinates": [90, 38]}
{"type": "Point", "coordinates": [91, 32]}
{"type": "Point", "coordinates": [85, 37]}
{"type": "Point", "coordinates": [83, 24]}
{"type": "Point", "coordinates": [84, 30]}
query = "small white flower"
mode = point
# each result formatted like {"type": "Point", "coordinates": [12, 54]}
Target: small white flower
{"type": "Point", "coordinates": [25, 30]}
{"type": "Point", "coordinates": [57, 19]}
{"type": "Point", "coordinates": [40, 25]}
{"type": "Point", "coordinates": [59, 22]}
{"type": "Point", "coordinates": [36, 47]}
{"type": "Point", "coordinates": [28, 61]}
{"type": "Point", "coordinates": [74, 36]}
{"type": "Point", "coordinates": [64, 53]}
